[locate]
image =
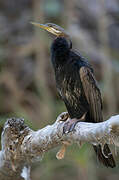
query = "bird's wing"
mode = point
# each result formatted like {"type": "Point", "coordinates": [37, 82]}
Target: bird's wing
{"type": "Point", "coordinates": [92, 94]}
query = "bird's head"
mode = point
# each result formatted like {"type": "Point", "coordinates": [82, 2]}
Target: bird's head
{"type": "Point", "coordinates": [52, 28]}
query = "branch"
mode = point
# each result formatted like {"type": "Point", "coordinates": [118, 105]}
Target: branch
{"type": "Point", "coordinates": [21, 146]}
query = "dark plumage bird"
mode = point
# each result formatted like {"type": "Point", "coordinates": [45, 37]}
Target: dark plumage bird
{"type": "Point", "coordinates": [77, 86]}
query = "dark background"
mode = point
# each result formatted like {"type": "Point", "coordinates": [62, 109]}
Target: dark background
{"type": "Point", "coordinates": [27, 86]}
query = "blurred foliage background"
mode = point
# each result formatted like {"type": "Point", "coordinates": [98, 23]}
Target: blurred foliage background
{"type": "Point", "coordinates": [27, 85]}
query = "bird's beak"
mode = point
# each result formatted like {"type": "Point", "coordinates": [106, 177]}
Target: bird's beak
{"type": "Point", "coordinates": [57, 32]}
{"type": "Point", "coordinates": [43, 26]}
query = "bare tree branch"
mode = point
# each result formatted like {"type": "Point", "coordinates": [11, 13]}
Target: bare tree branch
{"type": "Point", "coordinates": [21, 146]}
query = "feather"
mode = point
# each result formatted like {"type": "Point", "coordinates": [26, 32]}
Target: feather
{"type": "Point", "coordinates": [92, 94]}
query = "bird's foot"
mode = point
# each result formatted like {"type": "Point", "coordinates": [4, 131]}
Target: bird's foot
{"type": "Point", "coordinates": [70, 125]}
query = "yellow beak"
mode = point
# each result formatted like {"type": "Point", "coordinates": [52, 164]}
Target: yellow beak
{"type": "Point", "coordinates": [43, 26]}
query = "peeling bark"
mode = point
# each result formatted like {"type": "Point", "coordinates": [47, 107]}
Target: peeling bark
{"type": "Point", "coordinates": [21, 146]}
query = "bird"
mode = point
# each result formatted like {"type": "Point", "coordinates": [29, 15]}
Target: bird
{"type": "Point", "coordinates": [77, 86]}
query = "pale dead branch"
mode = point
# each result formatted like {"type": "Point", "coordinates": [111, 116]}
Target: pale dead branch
{"type": "Point", "coordinates": [22, 146]}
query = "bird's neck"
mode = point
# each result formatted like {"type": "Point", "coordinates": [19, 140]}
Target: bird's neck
{"type": "Point", "coordinates": [60, 49]}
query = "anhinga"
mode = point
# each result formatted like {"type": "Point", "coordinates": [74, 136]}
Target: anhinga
{"type": "Point", "coordinates": [76, 85]}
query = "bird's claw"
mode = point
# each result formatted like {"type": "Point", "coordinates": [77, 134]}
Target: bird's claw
{"type": "Point", "coordinates": [69, 125]}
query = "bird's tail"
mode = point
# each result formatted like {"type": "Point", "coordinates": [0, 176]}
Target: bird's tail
{"type": "Point", "coordinates": [106, 157]}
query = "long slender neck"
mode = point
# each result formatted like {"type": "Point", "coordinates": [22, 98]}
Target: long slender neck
{"type": "Point", "coordinates": [60, 51]}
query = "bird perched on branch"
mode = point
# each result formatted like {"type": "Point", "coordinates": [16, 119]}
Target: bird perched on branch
{"type": "Point", "coordinates": [76, 85]}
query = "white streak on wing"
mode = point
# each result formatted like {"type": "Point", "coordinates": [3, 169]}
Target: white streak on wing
{"type": "Point", "coordinates": [66, 94]}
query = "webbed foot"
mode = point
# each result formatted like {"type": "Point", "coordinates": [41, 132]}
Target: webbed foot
{"type": "Point", "coordinates": [70, 125]}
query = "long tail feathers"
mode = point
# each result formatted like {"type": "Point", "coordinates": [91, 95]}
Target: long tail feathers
{"type": "Point", "coordinates": [105, 158]}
